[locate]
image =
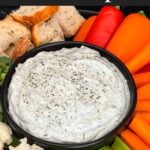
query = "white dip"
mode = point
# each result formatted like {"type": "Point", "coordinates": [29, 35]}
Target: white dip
{"type": "Point", "coordinates": [70, 95]}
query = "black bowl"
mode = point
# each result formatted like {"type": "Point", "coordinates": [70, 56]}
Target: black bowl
{"type": "Point", "coordinates": [107, 139]}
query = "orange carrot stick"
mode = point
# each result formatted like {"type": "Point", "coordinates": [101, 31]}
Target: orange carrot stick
{"type": "Point", "coordinates": [141, 127]}
{"type": "Point", "coordinates": [143, 93]}
{"type": "Point", "coordinates": [131, 36]}
{"type": "Point", "coordinates": [133, 140]}
{"type": "Point", "coordinates": [140, 60]}
{"type": "Point", "coordinates": [84, 29]}
{"type": "Point", "coordinates": [141, 78]}
{"type": "Point", "coordinates": [146, 116]}
{"type": "Point", "coordinates": [145, 69]}
{"type": "Point", "coordinates": [143, 106]}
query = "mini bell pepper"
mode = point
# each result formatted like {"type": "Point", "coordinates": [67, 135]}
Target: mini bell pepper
{"type": "Point", "coordinates": [107, 21]}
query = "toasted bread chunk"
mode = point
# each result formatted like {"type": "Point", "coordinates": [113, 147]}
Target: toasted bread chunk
{"type": "Point", "coordinates": [9, 51]}
{"type": "Point", "coordinates": [47, 32]}
{"type": "Point", "coordinates": [8, 17]}
{"type": "Point", "coordinates": [69, 20]}
{"type": "Point", "coordinates": [3, 54]}
{"type": "Point", "coordinates": [10, 32]}
{"type": "Point", "coordinates": [32, 15]}
{"type": "Point", "coordinates": [23, 45]}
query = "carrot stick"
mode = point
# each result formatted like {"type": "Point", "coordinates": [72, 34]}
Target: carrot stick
{"type": "Point", "coordinates": [143, 106]}
{"type": "Point", "coordinates": [133, 140]}
{"type": "Point", "coordinates": [141, 79]}
{"type": "Point", "coordinates": [143, 93]}
{"type": "Point", "coordinates": [139, 60]}
{"type": "Point", "coordinates": [145, 69]}
{"type": "Point", "coordinates": [146, 116]}
{"type": "Point", "coordinates": [84, 29]}
{"type": "Point", "coordinates": [131, 36]}
{"type": "Point", "coordinates": [141, 127]}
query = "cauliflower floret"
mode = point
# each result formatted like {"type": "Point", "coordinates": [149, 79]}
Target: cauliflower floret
{"type": "Point", "coordinates": [35, 147]}
{"type": "Point", "coordinates": [5, 133]}
{"type": "Point", "coordinates": [25, 146]}
{"type": "Point", "coordinates": [22, 146]}
{"type": "Point", "coordinates": [1, 145]}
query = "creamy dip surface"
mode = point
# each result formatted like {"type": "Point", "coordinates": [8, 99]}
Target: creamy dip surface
{"type": "Point", "coordinates": [70, 95]}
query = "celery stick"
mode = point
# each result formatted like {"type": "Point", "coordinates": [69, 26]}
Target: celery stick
{"type": "Point", "coordinates": [119, 144]}
{"type": "Point", "coordinates": [105, 148]}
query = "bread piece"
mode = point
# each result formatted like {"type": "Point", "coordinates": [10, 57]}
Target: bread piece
{"type": "Point", "coordinates": [69, 20]}
{"type": "Point", "coordinates": [19, 48]}
{"type": "Point", "coordinates": [3, 54]}
{"type": "Point", "coordinates": [8, 17]}
{"type": "Point", "coordinates": [47, 32]}
{"type": "Point", "coordinates": [23, 45]}
{"type": "Point", "coordinates": [32, 15]}
{"type": "Point", "coordinates": [10, 32]}
{"type": "Point", "coordinates": [9, 51]}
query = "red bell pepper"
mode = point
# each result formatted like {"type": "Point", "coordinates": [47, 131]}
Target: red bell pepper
{"type": "Point", "coordinates": [107, 21]}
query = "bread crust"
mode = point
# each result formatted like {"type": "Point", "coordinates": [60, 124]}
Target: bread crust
{"type": "Point", "coordinates": [22, 46]}
{"type": "Point", "coordinates": [10, 32]}
{"type": "Point", "coordinates": [3, 54]}
{"type": "Point", "coordinates": [54, 30]}
{"type": "Point", "coordinates": [35, 37]}
{"type": "Point", "coordinates": [37, 17]}
{"type": "Point", "coordinates": [69, 20]}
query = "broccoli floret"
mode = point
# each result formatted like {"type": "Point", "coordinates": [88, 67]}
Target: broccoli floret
{"type": "Point", "coordinates": [5, 63]}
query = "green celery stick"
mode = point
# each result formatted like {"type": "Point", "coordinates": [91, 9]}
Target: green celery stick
{"type": "Point", "coordinates": [119, 144]}
{"type": "Point", "coordinates": [105, 148]}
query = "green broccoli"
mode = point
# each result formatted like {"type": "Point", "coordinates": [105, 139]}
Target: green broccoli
{"type": "Point", "coordinates": [5, 63]}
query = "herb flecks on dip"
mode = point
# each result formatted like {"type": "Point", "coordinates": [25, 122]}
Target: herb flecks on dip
{"type": "Point", "coordinates": [69, 95]}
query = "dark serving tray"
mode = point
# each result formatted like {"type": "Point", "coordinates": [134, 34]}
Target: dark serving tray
{"type": "Point", "coordinates": [85, 11]}
{"type": "Point", "coordinates": [4, 10]}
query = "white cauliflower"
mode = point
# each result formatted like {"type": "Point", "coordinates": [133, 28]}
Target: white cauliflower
{"type": "Point", "coordinates": [25, 146]}
{"type": "Point", "coordinates": [6, 138]}
{"type": "Point", "coordinates": [1, 145]}
{"type": "Point", "coordinates": [5, 134]}
{"type": "Point", "coordinates": [35, 147]}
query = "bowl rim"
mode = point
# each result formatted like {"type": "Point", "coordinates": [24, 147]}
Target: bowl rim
{"type": "Point", "coordinates": [121, 66]}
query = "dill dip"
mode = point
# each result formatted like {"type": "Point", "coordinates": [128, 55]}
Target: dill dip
{"type": "Point", "coordinates": [70, 95]}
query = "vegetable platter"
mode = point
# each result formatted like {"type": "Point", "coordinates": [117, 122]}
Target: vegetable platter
{"type": "Point", "coordinates": [125, 32]}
